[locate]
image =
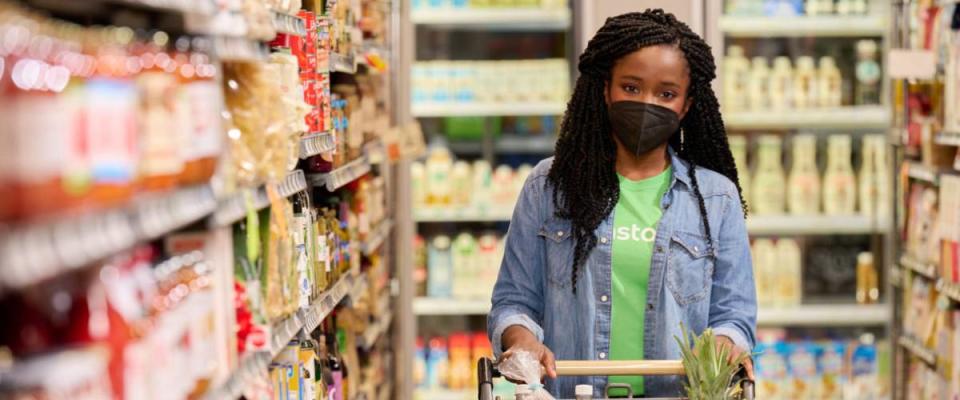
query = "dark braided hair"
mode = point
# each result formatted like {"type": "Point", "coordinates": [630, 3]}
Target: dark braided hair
{"type": "Point", "coordinates": [583, 175]}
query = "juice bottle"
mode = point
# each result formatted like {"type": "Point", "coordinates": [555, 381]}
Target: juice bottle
{"type": "Point", "coordinates": [439, 267]}
{"type": "Point", "coordinates": [781, 84]}
{"type": "Point", "coordinates": [868, 74]}
{"type": "Point", "coordinates": [804, 181]}
{"type": "Point", "coordinates": [788, 272]}
{"type": "Point", "coordinates": [460, 184]}
{"type": "Point", "coordinates": [765, 270]}
{"type": "Point", "coordinates": [839, 183]}
{"type": "Point", "coordinates": [874, 177]}
{"type": "Point", "coordinates": [464, 272]}
{"type": "Point", "coordinates": [768, 181]}
{"type": "Point", "coordinates": [439, 165]}
{"type": "Point", "coordinates": [829, 84]}
{"type": "Point", "coordinates": [736, 72]}
{"type": "Point", "coordinates": [759, 84]}
{"type": "Point", "coordinates": [805, 83]}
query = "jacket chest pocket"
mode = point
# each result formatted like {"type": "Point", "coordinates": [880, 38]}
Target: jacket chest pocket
{"type": "Point", "coordinates": [690, 268]}
{"type": "Point", "coordinates": [558, 243]}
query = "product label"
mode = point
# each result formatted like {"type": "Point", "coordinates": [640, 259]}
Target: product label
{"type": "Point", "coordinates": [160, 124]}
{"type": "Point", "coordinates": [40, 125]}
{"type": "Point", "coordinates": [112, 130]}
{"type": "Point", "coordinates": [205, 129]}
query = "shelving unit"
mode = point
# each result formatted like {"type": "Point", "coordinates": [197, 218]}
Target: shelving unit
{"type": "Point", "coordinates": [948, 138]}
{"type": "Point", "coordinates": [853, 117]}
{"type": "Point", "coordinates": [803, 26]}
{"type": "Point", "coordinates": [523, 19]}
{"type": "Point", "coordinates": [342, 176]}
{"type": "Point", "coordinates": [32, 252]}
{"type": "Point", "coordinates": [827, 315]}
{"type": "Point", "coordinates": [919, 350]}
{"type": "Point", "coordinates": [377, 237]}
{"type": "Point", "coordinates": [316, 144]}
{"type": "Point", "coordinates": [289, 24]}
{"type": "Point", "coordinates": [508, 144]}
{"type": "Point", "coordinates": [922, 172]}
{"type": "Point", "coordinates": [434, 306]}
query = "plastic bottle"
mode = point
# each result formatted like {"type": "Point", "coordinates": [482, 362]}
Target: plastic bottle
{"type": "Point", "coordinates": [868, 74]}
{"type": "Point", "coordinates": [439, 265]}
{"type": "Point", "coordinates": [482, 186]}
{"type": "Point", "coordinates": [465, 253]}
{"type": "Point", "coordinates": [736, 72]}
{"type": "Point", "coordinates": [781, 84]}
{"type": "Point", "coordinates": [460, 362]}
{"type": "Point", "coordinates": [804, 181]}
{"type": "Point", "coordinates": [439, 166]}
{"type": "Point", "coordinates": [840, 186]}
{"type": "Point", "coordinates": [765, 270]}
{"type": "Point", "coordinates": [583, 392]}
{"type": "Point", "coordinates": [522, 392]}
{"type": "Point", "coordinates": [768, 181]}
{"type": "Point", "coordinates": [868, 290]}
{"type": "Point", "coordinates": [788, 278]}
{"type": "Point", "coordinates": [460, 183]}
{"type": "Point", "coordinates": [738, 146]}
{"type": "Point", "coordinates": [759, 93]}
{"type": "Point", "coordinates": [874, 177]}
{"type": "Point", "coordinates": [418, 185]}
{"type": "Point", "coordinates": [829, 84]}
{"type": "Point", "coordinates": [805, 83]}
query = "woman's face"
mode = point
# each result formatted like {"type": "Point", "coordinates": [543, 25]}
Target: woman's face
{"type": "Point", "coordinates": [654, 74]}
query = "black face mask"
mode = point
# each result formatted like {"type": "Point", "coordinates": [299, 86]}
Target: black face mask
{"type": "Point", "coordinates": [642, 127]}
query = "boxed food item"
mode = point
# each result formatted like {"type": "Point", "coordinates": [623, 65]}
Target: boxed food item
{"type": "Point", "coordinates": [771, 371]}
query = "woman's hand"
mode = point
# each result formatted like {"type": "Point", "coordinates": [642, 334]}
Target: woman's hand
{"type": "Point", "coordinates": [517, 338]}
{"type": "Point", "coordinates": [733, 352]}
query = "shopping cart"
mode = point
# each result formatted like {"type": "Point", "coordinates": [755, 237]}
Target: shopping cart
{"type": "Point", "coordinates": [487, 370]}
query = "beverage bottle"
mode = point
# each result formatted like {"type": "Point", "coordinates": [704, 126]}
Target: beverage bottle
{"type": "Point", "coordinates": [804, 181]}
{"type": "Point", "coordinates": [759, 93]}
{"type": "Point", "coordinates": [839, 188]}
{"type": "Point", "coordinates": [781, 84]}
{"type": "Point", "coordinates": [736, 72]}
{"type": "Point", "coordinates": [768, 182]}
{"type": "Point", "coordinates": [868, 74]}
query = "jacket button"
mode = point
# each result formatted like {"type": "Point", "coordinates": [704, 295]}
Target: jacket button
{"type": "Point", "coordinates": [649, 306]}
{"type": "Point", "coordinates": [603, 356]}
{"type": "Point", "coordinates": [559, 233]}
{"type": "Point", "coordinates": [603, 239]}
{"type": "Point", "coordinates": [659, 249]}
{"type": "Point", "coordinates": [603, 298]}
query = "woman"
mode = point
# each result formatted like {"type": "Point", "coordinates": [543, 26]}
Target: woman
{"type": "Point", "coordinates": [636, 225]}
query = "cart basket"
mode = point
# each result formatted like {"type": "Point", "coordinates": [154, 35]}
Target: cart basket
{"type": "Point", "coordinates": [486, 371]}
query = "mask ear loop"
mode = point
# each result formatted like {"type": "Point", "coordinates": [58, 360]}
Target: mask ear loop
{"type": "Point", "coordinates": [681, 140]}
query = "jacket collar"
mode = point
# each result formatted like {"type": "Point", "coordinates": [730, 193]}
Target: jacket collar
{"type": "Point", "coordinates": [680, 167]}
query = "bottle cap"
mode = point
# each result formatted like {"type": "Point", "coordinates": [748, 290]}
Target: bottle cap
{"type": "Point", "coordinates": [865, 258]}
{"type": "Point", "coordinates": [583, 390]}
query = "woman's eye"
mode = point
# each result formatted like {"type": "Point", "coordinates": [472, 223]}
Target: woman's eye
{"type": "Point", "coordinates": [631, 89]}
{"type": "Point", "coordinates": [668, 95]}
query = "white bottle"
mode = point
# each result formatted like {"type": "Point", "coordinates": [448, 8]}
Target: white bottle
{"type": "Point", "coordinates": [873, 177]}
{"type": "Point", "coordinates": [768, 181]}
{"type": "Point", "coordinates": [804, 181]}
{"type": "Point", "coordinates": [859, 7]}
{"type": "Point", "coordinates": [439, 166]}
{"type": "Point", "coordinates": [845, 7]}
{"type": "Point", "coordinates": [764, 270]}
{"type": "Point", "coordinates": [522, 392]}
{"type": "Point", "coordinates": [738, 146]}
{"type": "Point", "coordinates": [759, 86]}
{"type": "Point", "coordinates": [460, 183]}
{"type": "Point", "coordinates": [789, 278]}
{"type": "Point", "coordinates": [829, 87]}
{"type": "Point", "coordinates": [805, 83]}
{"type": "Point", "coordinates": [482, 186]}
{"type": "Point", "coordinates": [781, 84]}
{"type": "Point", "coordinates": [839, 183]}
{"type": "Point", "coordinates": [868, 74]}
{"type": "Point", "coordinates": [736, 71]}
{"type": "Point", "coordinates": [583, 392]}
{"type": "Point", "coordinates": [819, 7]}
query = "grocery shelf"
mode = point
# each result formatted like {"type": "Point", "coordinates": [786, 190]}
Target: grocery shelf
{"type": "Point", "coordinates": [340, 177]}
{"type": "Point", "coordinates": [825, 315]}
{"type": "Point", "coordinates": [804, 26]}
{"type": "Point", "coordinates": [180, 6]}
{"type": "Point", "coordinates": [316, 143]}
{"type": "Point", "coordinates": [376, 237]}
{"type": "Point", "coordinates": [373, 332]}
{"type": "Point", "coordinates": [854, 117]}
{"type": "Point", "coordinates": [346, 63]}
{"type": "Point", "coordinates": [919, 350]}
{"type": "Point", "coordinates": [234, 208]}
{"type": "Point", "coordinates": [517, 19]}
{"type": "Point", "coordinates": [324, 305]}
{"type": "Point", "coordinates": [927, 270]}
{"type": "Point", "coordinates": [463, 215]}
{"type": "Point", "coordinates": [446, 306]}
{"type": "Point", "coordinates": [814, 225]}
{"type": "Point", "coordinates": [252, 367]}
{"type": "Point", "coordinates": [282, 332]}
{"type": "Point", "coordinates": [949, 289]}
{"type": "Point", "coordinates": [289, 24]}
{"type": "Point", "coordinates": [34, 251]}
{"type": "Point", "coordinates": [511, 144]}
{"type": "Point", "coordinates": [947, 138]}
{"type": "Point", "coordinates": [491, 109]}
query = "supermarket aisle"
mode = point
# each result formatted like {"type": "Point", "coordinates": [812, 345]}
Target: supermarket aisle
{"type": "Point", "coordinates": [198, 199]}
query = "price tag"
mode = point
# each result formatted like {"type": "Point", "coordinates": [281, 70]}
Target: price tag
{"type": "Point", "coordinates": [911, 64]}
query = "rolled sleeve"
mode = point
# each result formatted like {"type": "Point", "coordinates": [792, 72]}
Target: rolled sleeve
{"type": "Point", "coordinates": [733, 302]}
{"type": "Point", "coordinates": [518, 294]}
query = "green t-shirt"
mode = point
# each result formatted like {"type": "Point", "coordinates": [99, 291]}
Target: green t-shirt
{"type": "Point", "coordinates": [634, 231]}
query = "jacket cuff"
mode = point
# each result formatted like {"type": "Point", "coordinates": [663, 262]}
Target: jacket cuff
{"type": "Point", "coordinates": [514, 318]}
{"type": "Point", "coordinates": [734, 334]}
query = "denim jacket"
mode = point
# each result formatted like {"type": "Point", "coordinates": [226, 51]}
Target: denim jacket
{"type": "Point", "coordinates": [689, 282]}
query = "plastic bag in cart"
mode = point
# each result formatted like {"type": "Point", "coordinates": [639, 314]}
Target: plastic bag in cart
{"type": "Point", "coordinates": [522, 366]}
